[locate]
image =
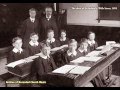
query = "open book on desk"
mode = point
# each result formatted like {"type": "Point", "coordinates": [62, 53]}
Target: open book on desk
{"type": "Point", "coordinates": [64, 69]}
{"type": "Point", "coordinates": [78, 60]}
{"type": "Point", "coordinates": [93, 54]}
{"type": "Point", "coordinates": [100, 47]}
{"type": "Point", "coordinates": [117, 45]}
{"type": "Point", "coordinates": [82, 59]}
{"type": "Point", "coordinates": [13, 64]}
{"type": "Point", "coordinates": [79, 70]}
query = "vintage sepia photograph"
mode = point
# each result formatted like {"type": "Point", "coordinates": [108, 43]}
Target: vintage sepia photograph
{"type": "Point", "coordinates": [59, 44]}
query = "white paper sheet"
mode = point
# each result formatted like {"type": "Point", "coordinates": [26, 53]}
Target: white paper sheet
{"type": "Point", "coordinates": [93, 53]}
{"type": "Point", "coordinates": [78, 60]}
{"type": "Point", "coordinates": [116, 45]}
{"type": "Point", "coordinates": [106, 49]}
{"type": "Point", "coordinates": [110, 42]}
{"type": "Point", "coordinates": [64, 69]}
{"type": "Point", "coordinates": [13, 64]}
{"type": "Point", "coordinates": [82, 59]}
{"type": "Point", "coordinates": [100, 47]}
{"type": "Point", "coordinates": [79, 70]}
{"type": "Point", "coordinates": [93, 59]}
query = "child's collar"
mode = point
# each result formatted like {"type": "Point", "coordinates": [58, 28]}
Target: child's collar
{"type": "Point", "coordinates": [91, 42]}
{"type": "Point", "coordinates": [71, 53]}
{"type": "Point", "coordinates": [85, 50]}
{"type": "Point", "coordinates": [15, 50]}
{"type": "Point", "coordinates": [52, 40]}
{"type": "Point", "coordinates": [33, 44]}
{"type": "Point", "coordinates": [43, 56]}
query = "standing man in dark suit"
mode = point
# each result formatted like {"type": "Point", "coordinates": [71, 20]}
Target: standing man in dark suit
{"type": "Point", "coordinates": [48, 21]}
{"type": "Point", "coordinates": [29, 26]}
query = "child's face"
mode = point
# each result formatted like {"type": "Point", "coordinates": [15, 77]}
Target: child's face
{"type": "Point", "coordinates": [46, 51]}
{"type": "Point", "coordinates": [17, 44]}
{"type": "Point", "coordinates": [84, 45]}
{"type": "Point", "coordinates": [51, 35]}
{"type": "Point", "coordinates": [63, 34]}
{"type": "Point", "coordinates": [34, 38]}
{"type": "Point", "coordinates": [91, 36]}
{"type": "Point", "coordinates": [72, 47]}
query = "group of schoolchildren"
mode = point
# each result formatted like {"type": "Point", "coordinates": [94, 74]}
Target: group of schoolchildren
{"type": "Point", "coordinates": [48, 62]}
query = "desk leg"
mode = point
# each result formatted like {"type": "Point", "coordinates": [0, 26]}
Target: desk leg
{"type": "Point", "coordinates": [5, 84]}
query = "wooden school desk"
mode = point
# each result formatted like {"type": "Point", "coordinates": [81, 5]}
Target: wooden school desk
{"type": "Point", "coordinates": [24, 69]}
{"type": "Point", "coordinates": [72, 80]}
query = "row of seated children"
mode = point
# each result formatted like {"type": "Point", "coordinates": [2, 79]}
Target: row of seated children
{"type": "Point", "coordinates": [34, 47]}
{"type": "Point", "coordinates": [45, 63]}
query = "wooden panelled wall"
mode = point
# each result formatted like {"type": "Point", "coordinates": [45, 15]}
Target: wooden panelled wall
{"type": "Point", "coordinates": [103, 34]}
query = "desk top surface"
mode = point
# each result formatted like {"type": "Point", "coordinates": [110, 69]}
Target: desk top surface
{"type": "Point", "coordinates": [80, 80]}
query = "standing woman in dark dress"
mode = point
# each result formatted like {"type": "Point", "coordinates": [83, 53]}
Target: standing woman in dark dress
{"type": "Point", "coordinates": [45, 63]}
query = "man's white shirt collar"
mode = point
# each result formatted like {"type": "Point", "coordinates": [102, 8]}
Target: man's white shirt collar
{"type": "Point", "coordinates": [91, 42]}
{"type": "Point", "coordinates": [15, 50]}
{"type": "Point", "coordinates": [70, 53]}
{"type": "Point", "coordinates": [51, 41]}
{"type": "Point", "coordinates": [33, 44]}
{"type": "Point", "coordinates": [43, 56]}
{"type": "Point", "coordinates": [32, 19]}
{"type": "Point", "coordinates": [48, 18]}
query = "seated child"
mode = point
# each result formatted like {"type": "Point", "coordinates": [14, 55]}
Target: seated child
{"type": "Point", "coordinates": [45, 63]}
{"type": "Point", "coordinates": [100, 79]}
{"type": "Point", "coordinates": [72, 53]}
{"type": "Point", "coordinates": [17, 52]}
{"type": "Point", "coordinates": [84, 47]}
{"type": "Point", "coordinates": [91, 41]}
{"type": "Point", "coordinates": [51, 41]}
{"type": "Point", "coordinates": [34, 46]}
{"type": "Point", "coordinates": [63, 39]}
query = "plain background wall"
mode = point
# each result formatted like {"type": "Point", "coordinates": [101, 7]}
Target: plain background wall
{"type": "Point", "coordinates": [85, 17]}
